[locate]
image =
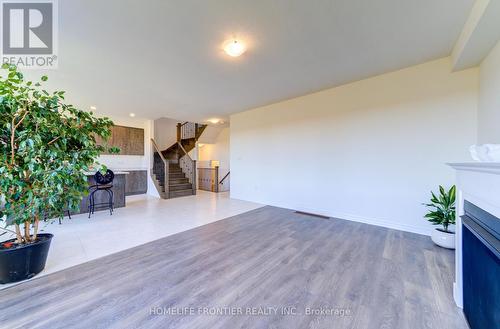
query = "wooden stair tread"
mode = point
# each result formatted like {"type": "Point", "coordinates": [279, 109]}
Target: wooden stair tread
{"type": "Point", "coordinates": [178, 180]}
{"type": "Point", "coordinates": [180, 193]}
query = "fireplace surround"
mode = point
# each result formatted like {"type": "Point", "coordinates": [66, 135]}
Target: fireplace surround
{"type": "Point", "coordinates": [481, 267]}
{"type": "Point", "coordinates": [477, 265]}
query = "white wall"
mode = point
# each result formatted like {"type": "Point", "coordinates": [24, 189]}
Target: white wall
{"type": "Point", "coordinates": [368, 151]}
{"type": "Point", "coordinates": [489, 98]}
{"type": "Point", "coordinates": [165, 132]}
{"type": "Point", "coordinates": [210, 134]}
{"type": "Point", "coordinates": [217, 150]}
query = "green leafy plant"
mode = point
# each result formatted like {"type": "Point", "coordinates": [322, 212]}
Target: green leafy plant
{"type": "Point", "coordinates": [46, 148]}
{"type": "Point", "coordinates": [442, 207]}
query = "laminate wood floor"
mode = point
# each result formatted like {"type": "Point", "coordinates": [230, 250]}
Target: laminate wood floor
{"type": "Point", "coordinates": [267, 268]}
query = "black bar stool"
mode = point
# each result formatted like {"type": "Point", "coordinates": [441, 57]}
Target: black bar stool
{"type": "Point", "coordinates": [104, 183]}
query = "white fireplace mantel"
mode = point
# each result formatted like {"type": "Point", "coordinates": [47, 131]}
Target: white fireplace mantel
{"type": "Point", "coordinates": [483, 167]}
{"type": "Point", "coordinates": [478, 183]}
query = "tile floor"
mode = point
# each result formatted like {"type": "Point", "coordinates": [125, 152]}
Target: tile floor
{"type": "Point", "coordinates": [144, 219]}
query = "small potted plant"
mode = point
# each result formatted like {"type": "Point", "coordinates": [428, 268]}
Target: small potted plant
{"type": "Point", "coordinates": [442, 212]}
{"type": "Point", "coordinates": [46, 146]}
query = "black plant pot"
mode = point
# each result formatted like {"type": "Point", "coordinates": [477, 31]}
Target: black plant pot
{"type": "Point", "coordinates": [24, 262]}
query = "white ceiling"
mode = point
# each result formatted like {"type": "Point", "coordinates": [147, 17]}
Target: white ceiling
{"type": "Point", "coordinates": [161, 58]}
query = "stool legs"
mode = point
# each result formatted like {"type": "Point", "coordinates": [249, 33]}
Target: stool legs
{"type": "Point", "coordinates": [69, 216]}
{"type": "Point", "coordinates": [111, 199]}
{"type": "Point", "coordinates": [92, 204]}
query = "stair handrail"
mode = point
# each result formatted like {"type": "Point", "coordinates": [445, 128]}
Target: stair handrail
{"type": "Point", "coordinates": [224, 178]}
{"type": "Point", "coordinates": [158, 150]}
{"type": "Point", "coordinates": [193, 166]}
{"type": "Point", "coordinates": [166, 167]}
{"type": "Point", "coordinates": [184, 150]}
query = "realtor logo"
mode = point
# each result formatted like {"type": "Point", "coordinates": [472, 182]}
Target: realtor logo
{"type": "Point", "coordinates": [29, 33]}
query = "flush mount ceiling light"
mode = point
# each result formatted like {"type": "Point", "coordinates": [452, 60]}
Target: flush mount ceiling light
{"type": "Point", "coordinates": [131, 115]}
{"type": "Point", "coordinates": [93, 108]}
{"type": "Point", "coordinates": [214, 121]}
{"type": "Point", "coordinates": [234, 47]}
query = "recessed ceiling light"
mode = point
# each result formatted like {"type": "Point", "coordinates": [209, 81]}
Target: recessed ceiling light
{"type": "Point", "coordinates": [132, 115]}
{"type": "Point", "coordinates": [234, 47]}
{"type": "Point", "coordinates": [214, 121]}
{"type": "Point", "coordinates": [93, 108]}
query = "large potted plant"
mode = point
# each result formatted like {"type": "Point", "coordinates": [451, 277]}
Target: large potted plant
{"type": "Point", "coordinates": [442, 212]}
{"type": "Point", "coordinates": [46, 148]}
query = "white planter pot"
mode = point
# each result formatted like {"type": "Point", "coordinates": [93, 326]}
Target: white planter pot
{"type": "Point", "coordinates": [443, 239]}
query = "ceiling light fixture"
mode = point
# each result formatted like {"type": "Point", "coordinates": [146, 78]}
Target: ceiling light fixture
{"type": "Point", "coordinates": [132, 115]}
{"type": "Point", "coordinates": [93, 108]}
{"type": "Point", "coordinates": [234, 47]}
{"type": "Point", "coordinates": [214, 121]}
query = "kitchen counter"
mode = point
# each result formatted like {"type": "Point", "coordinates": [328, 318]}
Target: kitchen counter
{"type": "Point", "coordinates": [121, 172]}
{"type": "Point", "coordinates": [102, 196]}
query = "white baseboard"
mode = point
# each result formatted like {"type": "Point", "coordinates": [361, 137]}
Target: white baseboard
{"type": "Point", "coordinates": [383, 223]}
{"type": "Point", "coordinates": [351, 217]}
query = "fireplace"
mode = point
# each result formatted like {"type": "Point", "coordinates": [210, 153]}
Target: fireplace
{"type": "Point", "coordinates": [481, 267]}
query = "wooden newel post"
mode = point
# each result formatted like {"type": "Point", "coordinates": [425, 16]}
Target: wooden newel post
{"type": "Point", "coordinates": [194, 183]}
{"type": "Point", "coordinates": [179, 128]}
{"type": "Point", "coordinates": [166, 179]}
{"type": "Point", "coordinates": [216, 188]}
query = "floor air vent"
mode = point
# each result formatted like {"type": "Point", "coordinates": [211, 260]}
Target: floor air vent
{"type": "Point", "coordinates": [312, 215]}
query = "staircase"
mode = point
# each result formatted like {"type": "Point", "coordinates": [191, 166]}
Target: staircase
{"type": "Point", "coordinates": [174, 172]}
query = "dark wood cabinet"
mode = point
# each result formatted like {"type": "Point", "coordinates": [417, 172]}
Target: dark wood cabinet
{"type": "Point", "coordinates": [136, 141]}
{"type": "Point", "coordinates": [119, 193]}
{"type": "Point", "coordinates": [129, 140]}
{"type": "Point", "coordinates": [136, 182]}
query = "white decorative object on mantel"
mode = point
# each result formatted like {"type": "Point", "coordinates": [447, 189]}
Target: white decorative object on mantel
{"type": "Point", "coordinates": [478, 183]}
{"type": "Point", "coordinates": [485, 152]}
